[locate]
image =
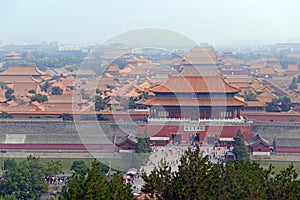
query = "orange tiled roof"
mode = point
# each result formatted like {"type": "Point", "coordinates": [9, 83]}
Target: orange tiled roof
{"type": "Point", "coordinates": [68, 82]}
{"type": "Point", "coordinates": [241, 99]}
{"type": "Point", "coordinates": [173, 101]}
{"type": "Point", "coordinates": [267, 93]}
{"type": "Point", "coordinates": [138, 71]}
{"type": "Point", "coordinates": [197, 84]}
{"type": "Point", "coordinates": [195, 71]}
{"type": "Point", "coordinates": [22, 88]}
{"type": "Point", "coordinates": [293, 68]}
{"type": "Point", "coordinates": [266, 71]}
{"type": "Point", "coordinates": [113, 101]}
{"type": "Point", "coordinates": [17, 78]}
{"type": "Point", "coordinates": [123, 90]}
{"type": "Point", "coordinates": [108, 75]}
{"type": "Point", "coordinates": [133, 93]}
{"type": "Point", "coordinates": [113, 68]}
{"type": "Point", "coordinates": [269, 59]}
{"type": "Point", "coordinates": [12, 54]}
{"type": "Point", "coordinates": [144, 86]}
{"type": "Point", "coordinates": [64, 98]}
{"type": "Point", "coordinates": [256, 66]}
{"type": "Point", "coordinates": [255, 104]}
{"type": "Point", "coordinates": [83, 72]}
{"type": "Point", "coordinates": [239, 80]}
{"type": "Point", "coordinates": [266, 97]}
{"type": "Point", "coordinates": [200, 55]}
{"type": "Point", "coordinates": [23, 70]}
{"type": "Point", "coordinates": [241, 85]}
{"type": "Point", "coordinates": [126, 70]}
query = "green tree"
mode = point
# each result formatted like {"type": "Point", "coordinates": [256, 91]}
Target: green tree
{"type": "Point", "coordinates": [102, 117]}
{"type": "Point", "coordinates": [293, 84]}
{"type": "Point", "coordinates": [239, 148]}
{"type": "Point", "coordinates": [198, 178]}
{"type": "Point", "coordinates": [273, 106]}
{"type": "Point", "coordinates": [3, 85]}
{"type": "Point", "coordinates": [98, 91]}
{"type": "Point", "coordinates": [56, 91]}
{"type": "Point", "coordinates": [39, 98]}
{"type": "Point", "coordinates": [24, 180]}
{"type": "Point", "coordinates": [9, 94]}
{"type": "Point", "coordinates": [9, 164]}
{"type": "Point", "coordinates": [119, 190]}
{"type": "Point", "coordinates": [142, 152]}
{"type": "Point", "coordinates": [44, 87]}
{"type": "Point", "coordinates": [285, 103]}
{"type": "Point", "coordinates": [79, 167]}
{"type": "Point", "coordinates": [249, 96]}
{"type": "Point", "coordinates": [94, 185]}
{"type": "Point", "coordinates": [84, 94]}
{"type": "Point", "coordinates": [143, 145]}
{"type": "Point", "coordinates": [285, 185]}
{"type": "Point", "coordinates": [66, 117]}
{"type": "Point", "coordinates": [99, 103]}
{"type": "Point", "coordinates": [6, 115]}
{"type": "Point", "coordinates": [131, 103]}
{"type": "Point", "coordinates": [145, 95]}
{"type": "Point", "coordinates": [53, 168]}
{"type": "Point", "coordinates": [32, 91]}
{"type": "Point", "coordinates": [243, 179]}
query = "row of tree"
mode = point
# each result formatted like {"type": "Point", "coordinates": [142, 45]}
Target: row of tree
{"type": "Point", "coordinates": [199, 178]}
{"type": "Point", "coordinates": [26, 179]}
{"type": "Point", "coordinates": [95, 183]}
{"type": "Point", "coordinates": [282, 104]}
{"type": "Point", "coordinates": [196, 178]}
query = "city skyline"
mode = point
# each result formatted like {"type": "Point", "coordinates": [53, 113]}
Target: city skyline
{"type": "Point", "coordinates": [215, 22]}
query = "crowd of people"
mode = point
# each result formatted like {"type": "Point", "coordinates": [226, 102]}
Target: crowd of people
{"type": "Point", "coordinates": [172, 153]}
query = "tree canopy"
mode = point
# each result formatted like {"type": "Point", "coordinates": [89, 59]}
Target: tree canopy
{"type": "Point", "coordinates": [39, 98]}
{"type": "Point", "coordinates": [44, 87]}
{"type": "Point", "coordinates": [239, 148]}
{"type": "Point", "coordinates": [249, 96]}
{"type": "Point", "coordinates": [25, 180]}
{"type": "Point", "coordinates": [273, 106]}
{"type": "Point", "coordinates": [99, 103]}
{"type": "Point", "coordinates": [9, 94]}
{"type": "Point", "coordinates": [199, 178]}
{"type": "Point", "coordinates": [293, 84]}
{"type": "Point", "coordinates": [92, 184]}
{"type": "Point", "coordinates": [56, 91]}
{"type": "Point", "coordinates": [283, 102]}
{"type": "Point", "coordinates": [66, 117]}
{"type": "Point", "coordinates": [6, 115]}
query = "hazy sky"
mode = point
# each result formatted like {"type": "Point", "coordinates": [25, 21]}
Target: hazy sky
{"type": "Point", "coordinates": [94, 21]}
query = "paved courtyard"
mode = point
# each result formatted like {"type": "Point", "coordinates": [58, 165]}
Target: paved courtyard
{"type": "Point", "coordinates": [172, 153]}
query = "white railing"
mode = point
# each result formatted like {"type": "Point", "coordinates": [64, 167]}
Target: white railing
{"type": "Point", "coordinates": [138, 110]}
{"type": "Point", "coordinates": [169, 119]}
{"type": "Point", "coordinates": [216, 120]}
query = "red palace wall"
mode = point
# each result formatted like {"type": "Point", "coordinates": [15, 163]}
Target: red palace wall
{"type": "Point", "coordinates": [220, 131]}
{"type": "Point", "coordinates": [275, 118]}
{"type": "Point", "coordinates": [58, 146]}
{"type": "Point", "coordinates": [287, 150]}
{"type": "Point", "coordinates": [257, 149]}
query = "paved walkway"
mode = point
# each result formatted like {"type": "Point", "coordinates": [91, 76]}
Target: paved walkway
{"type": "Point", "coordinates": [172, 153]}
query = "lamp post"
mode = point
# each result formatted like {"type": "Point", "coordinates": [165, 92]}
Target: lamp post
{"type": "Point", "coordinates": [3, 151]}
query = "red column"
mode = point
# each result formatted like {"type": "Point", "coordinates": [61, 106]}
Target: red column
{"type": "Point", "coordinates": [232, 114]}
{"type": "Point", "coordinates": [204, 114]}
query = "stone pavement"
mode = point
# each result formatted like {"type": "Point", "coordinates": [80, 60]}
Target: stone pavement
{"type": "Point", "coordinates": [172, 153]}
